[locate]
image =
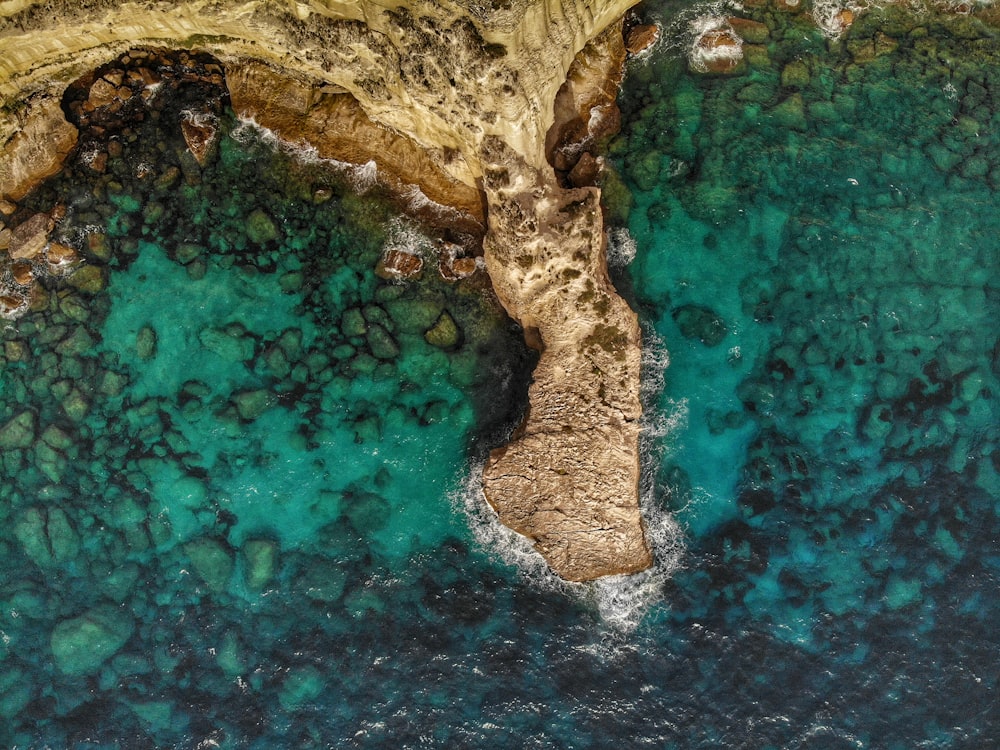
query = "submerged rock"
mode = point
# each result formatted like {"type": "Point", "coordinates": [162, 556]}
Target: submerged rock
{"type": "Point", "coordinates": [259, 562]}
{"type": "Point", "coordinates": [82, 644]}
{"type": "Point", "coordinates": [444, 334]}
{"type": "Point", "coordinates": [701, 323]}
{"type": "Point", "coordinates": [19, 432]}
{"type": "Point", "coordinates": [212, 562]}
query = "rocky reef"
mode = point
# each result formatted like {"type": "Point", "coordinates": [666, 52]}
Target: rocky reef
{"type": "Point", "coordinates": [489, 109]}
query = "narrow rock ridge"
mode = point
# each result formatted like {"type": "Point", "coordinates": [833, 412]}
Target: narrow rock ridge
{"type": "Point", "coordinates": [457, 99]}
{"type": "Point", "coordinates": [569, 478]}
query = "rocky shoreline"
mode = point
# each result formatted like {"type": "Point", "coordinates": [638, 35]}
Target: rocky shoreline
{"type": "Point", "coordinates": [471, 109]}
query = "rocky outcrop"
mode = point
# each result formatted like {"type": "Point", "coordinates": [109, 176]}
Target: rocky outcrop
{"type": "Point", "coordinates": [333, 122]}
{"type": "Point", "coordinates": [458, 99]}
{"type": "Point", "coordinates": [40, 140]}
{"type": "Point", "coordinates": [569, 478]}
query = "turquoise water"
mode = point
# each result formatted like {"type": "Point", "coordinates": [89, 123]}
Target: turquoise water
{"type": "Point", "coordinates": [236, 494]}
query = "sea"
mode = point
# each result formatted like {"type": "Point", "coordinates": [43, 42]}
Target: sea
{"type": "Point", "coordinates": [239, 478]}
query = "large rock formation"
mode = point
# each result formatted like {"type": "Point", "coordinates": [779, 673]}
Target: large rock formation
{"type": "Point", "coordinates": [458, 99]}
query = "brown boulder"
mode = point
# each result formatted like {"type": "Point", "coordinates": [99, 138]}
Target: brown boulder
{"type": "Point", "coordinates": [36, 152]}
{"type": "Point", "coordinates": [641, 38]}
{"type": "Point", "coordinates": [398, 264]}
{"type": "Point", "coordinates": [200, 134]}
{"type": "Point", "coordinates": [21, 273]}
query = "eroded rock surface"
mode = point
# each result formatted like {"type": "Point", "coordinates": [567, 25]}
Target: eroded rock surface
{"type": "Point", "coordinates": [568, 480]}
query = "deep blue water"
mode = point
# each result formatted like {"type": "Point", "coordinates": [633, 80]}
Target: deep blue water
{"type": "Point", "coordinates": [241, 511]}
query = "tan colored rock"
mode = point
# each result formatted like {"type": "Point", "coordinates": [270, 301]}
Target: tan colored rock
{"type": "Point", "coordinates": [102, 93]}
{"type": "Point", "coordinates": [569, 479]}
{"type": "Point", "coordinates": [30, 237]}
{"type": "Point", "coordinates": [338, 128]}
{"type": "Point", "coordinates": [201, 134]}
{"type": "Point", "coordinates": [12, 304]}
{"type": "Point", "coordinates": [586, 109]}
{"type": "Point", "coordinates": [22, 273]}
{"type": "Point", "coordinates": [37, 144]}
{"type": "Point", "coordinates": [641, 38]}
{"type": "Point", "coordinates": [60, 257]}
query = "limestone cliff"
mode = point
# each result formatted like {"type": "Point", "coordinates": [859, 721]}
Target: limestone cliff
{"type": "Point", "coordinates": [459, 99]}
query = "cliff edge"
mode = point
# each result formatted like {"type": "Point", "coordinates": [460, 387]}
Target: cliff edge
{"type": "Point", "coordinates": [459, 100]}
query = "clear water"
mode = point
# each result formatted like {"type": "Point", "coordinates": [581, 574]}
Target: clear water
{"type": "Point", "coordinates": [258, 534]}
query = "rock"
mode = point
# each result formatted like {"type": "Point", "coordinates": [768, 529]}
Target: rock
{"type": "Point", "coordinates": [569, 480]}
{"type": "Point", "coordinates": [75, 405]}
{"type": "Point", "coordinates": [791, 113]}
{"type": "Point", "coordinates": [98, 246]}
{"type": "Point", "coordinates": [60, 258]}
{"type": "Point", "coordinates": [145, 343]}
{"type": "Point", "coordinates": [795, 74]}
{"type": "Point", "coordinates": [29, 238]}
{"type": "Point", "coordinates": [35, 149]}
{"type": "Point", "coordinates": [453, 268]}
{"type": "Point", "coordinates": [398, 264]}
{"type": "Point", "coordinates": [19, 432]}
{"type": "Point", "coordinates": [866, 50]}
{"type": "Point", "coordinates": [13, 304]}
{"type": "Point", "coordinates": [444, 334]}
{"type": "Point", "coordinates": [381, 343]}
{"type": "Point", "coordinates": [259, 562]}
{"type": "Point", "coordinates": [585, 172]}
{"type": "Point", "coordinates": [82, 644]}
{"type": "Point", "coordinates": [212, 562]}
{"type": "Point", "coordinates": [63, 539]}
{"type": "Point", "coordinates": [102, 93]}
{"type": "Point", "coordinates": [261, 228]}
{"type": "Point", "coordinates": [752, 32]}
{"type": "Point", "coordinates": [22, 273]}
{"type": "Point", "coordinates": [187, 252]}
{"type": "Point", "coordinates": [251, 404]}
{"type": "Point", "coordinates": [718, 51]}
{"type": "Point", "coordinates": [701, 323]}
{"type": "Point", "coordinates": [201, 134]}
{"type": "Point", "coordinates": [228, 346]}
{"type": "Point", "coordinates": [30, 532]}
{"type": "Point", "coordinates": [87, 279]}
{"type": "Point", "coordinates": [641, 38]}
{"type": "Point", "coordinates": [352, 323]}
{"type": "Point", "coordinates": [301, 687]}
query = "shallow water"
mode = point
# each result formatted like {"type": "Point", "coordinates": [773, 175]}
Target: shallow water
{"type": "Point", "coordinates": [239, 518]}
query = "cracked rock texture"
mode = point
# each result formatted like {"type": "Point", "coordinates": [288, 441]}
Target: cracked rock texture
{"type": "Point", "coordinates": [458, 99]}
{"type": "Point", "coordinates": [568, 480]}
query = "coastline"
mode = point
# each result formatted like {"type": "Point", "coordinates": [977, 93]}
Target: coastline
{"type": "Point", "coordinates": [464, 106]}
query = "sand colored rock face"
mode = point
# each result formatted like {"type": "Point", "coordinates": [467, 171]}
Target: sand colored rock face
{"type": "Point", "coordinates": [458, 99]}
{"type": "Point", "coordinates": [569, 480]}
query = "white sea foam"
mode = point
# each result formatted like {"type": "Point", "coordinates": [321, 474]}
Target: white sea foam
{"type": "Point", "coordinates": [404, 236]}
{"type": "Point", "coordinates": [362, 177]}
{"type": "Point", "coordinates": [199, 118]}
{"type": "Point", "coordinates": [621, 248]}
{"type": "Point", "coordinates": [620, 601]}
